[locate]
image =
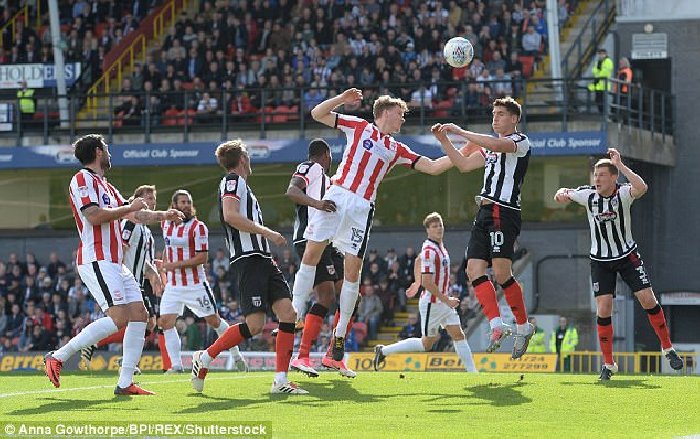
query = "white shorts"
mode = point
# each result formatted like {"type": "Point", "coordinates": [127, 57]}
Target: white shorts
{"type": "Point", "coordinates": [197, 298]}
{"type": "Point", "coordinates": [348, 227]}
{"type": "Point", "coordinates": [110, 284]}
{"type": "Point", "coordinates": [435, 315]}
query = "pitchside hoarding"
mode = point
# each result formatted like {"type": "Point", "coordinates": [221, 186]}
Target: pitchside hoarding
{"type": "Point", "coordinates": [36, 75]}
{"type": "Point", "coordinates": [273, 151]}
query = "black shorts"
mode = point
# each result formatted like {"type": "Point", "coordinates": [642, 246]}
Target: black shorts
{"type": "Point", "coordinates": [631, 269]}
{"type": "Point", "coordinates": [330, 267]}
{"type": "Point", "coordinates": [260, 284]}
{"type": "Point", "coordinates": [150, 301]}
{"type": "Point", "coordinates": [494, 233]}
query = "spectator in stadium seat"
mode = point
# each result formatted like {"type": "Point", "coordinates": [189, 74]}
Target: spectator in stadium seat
{"type": "Point", "coordinates": [7, 346]}
{"type": "Point", "coordinates": [207, 105]}
{"type": "Point", "coordinates": [503, 86]}
{"type": "Point", "coordinates": [370, 311]}
{"type": "Point", "coordinates": [531, 42]}
{"type": "Point", "coordinates": [411, 329]}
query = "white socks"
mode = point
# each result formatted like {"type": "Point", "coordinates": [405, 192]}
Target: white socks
{"type": "Point", "coordinates": [303, 286]}
{"type": "Point", "coordinates": [172, 345]}
{"type": "Point", "coordinates": [133, 346]}
{"type": "Point", "coordinates": [522, 329]}
{"type": "Point", "coordinates": [235, 352]}
{"type": "Point", "coordinates": [90, 335]}
{"type": "Point", "coordinates": [407, 345]}
{"type": "Point", "coordinates": [495, 322]}
{"type": "Point", "coordinates": [281, 377]}
{"type": "Point", "coordinates": [465, 353]}
{"type": "Point", "coordinates": [348, 299]}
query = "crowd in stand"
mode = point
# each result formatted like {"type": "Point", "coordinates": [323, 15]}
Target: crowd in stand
{"type": "Point", "coordinates": [239, 56]}
{"type": "Point", "coordinates": [43, 302]}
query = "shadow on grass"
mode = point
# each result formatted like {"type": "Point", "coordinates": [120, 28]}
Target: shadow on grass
{"type": "Point", "coordinates": [498, 394]}
{"type": "Point", "coordinates": [49, 405]}
{"type": "Point", "coordinates": [616, 383]}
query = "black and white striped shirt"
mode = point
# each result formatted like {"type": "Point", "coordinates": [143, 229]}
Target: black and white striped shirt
{"type": "Point", "coordinates": [609, 219]}
{"type": "Point", "coordinates": [316, 185]}
{"type": "Point", "coordinates": [242, 244]}
{"type": "Point", "coordinates": [504, 173]}
{"type": "Point", "coordinates": [140, 248]}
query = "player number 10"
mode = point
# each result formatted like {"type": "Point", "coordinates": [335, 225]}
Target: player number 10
{"type": "Point", "coordinates": [496, 238]}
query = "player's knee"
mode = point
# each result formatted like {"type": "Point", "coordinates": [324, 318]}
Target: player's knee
{"type": "Point", "coordinates": [213, 320]}
{"type": "Point", "coordinates": [428, 342]}
{"type": "Point", "coordinates": [502, 276]}
{"type": "Point", "coordinates": [120, 320]}
{"type": "Point", "coordinates": [254, 327]}
{"type": "Point", "coordinates": [474, 273]}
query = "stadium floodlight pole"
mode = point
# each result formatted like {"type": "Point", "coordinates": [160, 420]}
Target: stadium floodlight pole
{"type": "Point", "coordinates": [59, 64]}
{"type": "Point", "coordinates": [554, 52]}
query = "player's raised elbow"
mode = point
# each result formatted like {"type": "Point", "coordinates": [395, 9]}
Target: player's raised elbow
{"type": "Point", "coordinates": [317, 113]}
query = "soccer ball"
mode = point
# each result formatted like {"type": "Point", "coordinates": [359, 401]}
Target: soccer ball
{"type": "Point", "coordinates": [458, 52]}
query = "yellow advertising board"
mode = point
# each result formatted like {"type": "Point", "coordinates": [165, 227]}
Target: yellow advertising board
{"type": "Point", "coordinates": [449, 361]}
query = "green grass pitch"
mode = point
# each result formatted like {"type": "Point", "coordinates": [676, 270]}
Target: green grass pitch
{"type": "Point", "coordinates": [389, 404]}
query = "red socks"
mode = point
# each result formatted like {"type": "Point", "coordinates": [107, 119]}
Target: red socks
{"type": "Point", "coordinates": [605, 337]}
{"type": "Point", "coordinates": [284, 346]}
{"type": "Point", "coordinates": [658, 322]}
{"type": "Point", "coordinates": [514, 297]}
{"type": "Point", "coordinates": [117, 337]}
{"type": "Point", "coordinates": [312, 327]}
{"type": "Point", "coordinates": [233, 336]}
{"type": "Point", "coordinates": [486, 294]}
{"type": "Point", "coordinates": [167, 364]}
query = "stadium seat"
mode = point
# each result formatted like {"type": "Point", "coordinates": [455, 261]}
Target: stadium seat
{"type": "Point", "coordinates": [170, 117]}
{"type": "Point", "coordinates": [293, 112]}
{"type": "Point", "coordinates": [442, 108]}
{"type": "Point", "coordinates": [189, 120]}
{"type": "Point", "coordinates": [528, 64]}
{"type": "Point", "coordinates": [281, 114]}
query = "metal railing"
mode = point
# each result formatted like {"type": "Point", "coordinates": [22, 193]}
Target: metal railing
{"type": "Point", "coordinates": [627, 362]}
{"type": "Point", "coordinates": [22, 14]}
{"type": "Point", "coordinates": [162, 20]}
{"type": "Point", "coordinates": [559, 100]}
{"type": "Point", "coordinates": [583, 48]}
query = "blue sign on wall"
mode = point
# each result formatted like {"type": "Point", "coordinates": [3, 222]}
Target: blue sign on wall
{"type": "Point", "coordinates": [272, 151]}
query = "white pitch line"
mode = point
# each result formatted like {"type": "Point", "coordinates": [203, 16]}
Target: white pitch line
{"type": "Point", "coordinates": [34, 392]}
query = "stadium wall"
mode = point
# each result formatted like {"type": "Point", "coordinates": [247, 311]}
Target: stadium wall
{"type": "Point", "coordinates": [665, 220]}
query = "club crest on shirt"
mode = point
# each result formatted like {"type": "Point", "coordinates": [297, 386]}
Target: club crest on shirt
{"type": "Point", "coordinates": [105, 199]}
{"type": "Point", "coordinates": [614, 203]}
{"type": "Point", "coordinates": [491, 158]}
{"type": "Point", "coordinates": [606, 216]}
{"type": "Point", "coordinates": [126, 234]}
{"type": "Point", "coordinates": [367, 144]}
{"type": "Point", "coordinates": [231, 185]}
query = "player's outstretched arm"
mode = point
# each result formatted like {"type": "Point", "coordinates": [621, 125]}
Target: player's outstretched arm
{"type": "Point", "coordinates": [135, 211]}
{"type": "Point", "coordinates": [200, 258]}
{"type": "Point", "coordinates": [323, 112]}
{"type": "Point", "coordinates": [234, 219]}
{"type": "Point", "coordinates": [495, 144]}
{"type": "Point", "coordinates": [639, 186]}
{"type": "Point", "coordinates": [462, 162]}
{"type": "Point", "coordinates": [430, 166]}
{"type": "Point", "coordinates": [562, 196]}
{"type": "Point", "coordinates": [295, 192]}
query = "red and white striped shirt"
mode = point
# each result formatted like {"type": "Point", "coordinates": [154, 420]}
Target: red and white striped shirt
{"type": "Point", "coordinates": [436, 261]}
{"type": "Point", "coordinates": [182, 242]}
{"type": "Point", "coordinates": [100, 242]}
{"type": "Point", "coordinates": [369, 155]}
